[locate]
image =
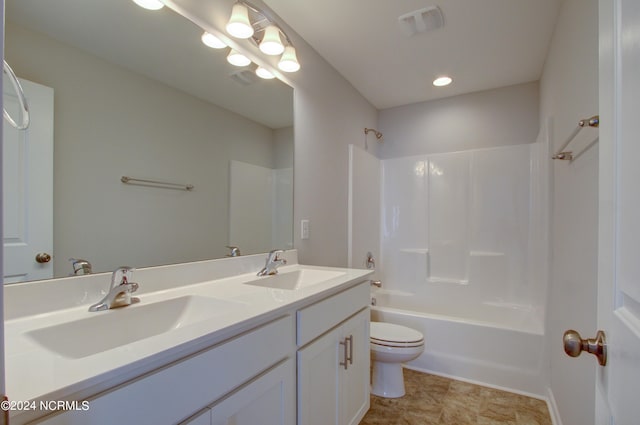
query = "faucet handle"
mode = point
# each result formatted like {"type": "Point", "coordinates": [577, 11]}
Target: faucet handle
{"type": "Point", "coordinates": [274, 255]}
{"type": "Point", "coordinates": [121, 275]}
{"type": "Point", "coordinates": [370, 262]}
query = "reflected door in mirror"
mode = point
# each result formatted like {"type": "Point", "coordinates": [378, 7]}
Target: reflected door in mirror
{"type": "Point", "coordinates": [27, 166]}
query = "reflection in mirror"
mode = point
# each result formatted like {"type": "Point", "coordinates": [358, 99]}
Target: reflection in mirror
{"type": "Point", "coordinates": [124, 91]}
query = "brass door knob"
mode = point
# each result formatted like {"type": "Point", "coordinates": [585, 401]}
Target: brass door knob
{"type": "Point", "coordinates": [43, 257]}
{"type": "Point", "coordinates": [574, 345]}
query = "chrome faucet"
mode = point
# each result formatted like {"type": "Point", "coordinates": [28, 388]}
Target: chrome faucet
{"type": "Point", "coordinates": [120, 291]}
{"type": "Point", "coordinates": [273, 262]}
{"type": "Point", "coordinates": [234, 251]}
{"type": "Point", "coordinates": [80, 266]}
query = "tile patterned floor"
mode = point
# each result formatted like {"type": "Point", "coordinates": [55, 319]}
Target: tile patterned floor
{"type": "Point", "coordinates": [434, 400]}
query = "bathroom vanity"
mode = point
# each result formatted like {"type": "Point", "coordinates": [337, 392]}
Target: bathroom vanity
{"type": "Point", "coordinates": [223, 347]}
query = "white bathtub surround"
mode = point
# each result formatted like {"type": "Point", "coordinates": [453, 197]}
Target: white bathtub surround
{"type": "Point", "coordinates": [463, 218]}
{"type": "Point", "coordinates": [221, 306]}
{"type": "Point", "coordinates": [260, 206]}
{"type": "Point", "coordinates": [463, 233]}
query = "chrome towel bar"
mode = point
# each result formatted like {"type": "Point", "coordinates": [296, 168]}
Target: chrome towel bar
{"type": "Point", "coordinates": [156, 183]}
{"type": "Point", "coordinates": [565, 155]}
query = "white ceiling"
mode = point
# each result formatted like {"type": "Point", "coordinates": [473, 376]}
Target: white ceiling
{"type": "Point", "coordinates": [161, 45]}
{"type": "Point", "coordinates": [484, 44]}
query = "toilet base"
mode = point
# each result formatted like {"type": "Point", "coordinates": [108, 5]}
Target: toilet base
{"type": "Point", "coordinates": [387, 380]}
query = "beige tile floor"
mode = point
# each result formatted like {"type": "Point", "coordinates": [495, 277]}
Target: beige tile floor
{"type": "Point", "coordinates": [432, 400]}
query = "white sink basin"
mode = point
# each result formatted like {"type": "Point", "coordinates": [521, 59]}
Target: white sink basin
{"type": "Point", "coordinates": [100, 331]}
{"type": "Point", "coordinates": [295, 279]}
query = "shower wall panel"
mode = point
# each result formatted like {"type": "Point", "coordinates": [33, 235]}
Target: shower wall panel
{"type": "Point", "coordinates": [459, 225]}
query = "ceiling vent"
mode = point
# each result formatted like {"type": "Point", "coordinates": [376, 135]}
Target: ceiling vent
{"type": "Point", "coordinates": [422, 20]}
{"type": "Point", "coordinates": [244, 77]}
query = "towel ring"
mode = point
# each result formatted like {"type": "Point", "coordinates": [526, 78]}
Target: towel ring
{"type": "Point", "coordinates": [21, 99]}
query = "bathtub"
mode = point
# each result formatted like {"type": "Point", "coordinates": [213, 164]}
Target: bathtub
{"type": "Point", "coordinates": [491, 343]}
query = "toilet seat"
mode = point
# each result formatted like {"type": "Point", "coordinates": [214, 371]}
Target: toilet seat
{"type": "Point", "coordinates": [391, 335]}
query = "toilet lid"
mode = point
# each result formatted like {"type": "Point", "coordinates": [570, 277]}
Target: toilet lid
{"type": "Point", "coordinates": [394, 335]}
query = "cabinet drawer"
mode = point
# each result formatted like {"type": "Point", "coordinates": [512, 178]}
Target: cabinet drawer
{"type": "Point", "coordinates": [177, 391]}
{"type": "Point", "coordinates": [318, 318]}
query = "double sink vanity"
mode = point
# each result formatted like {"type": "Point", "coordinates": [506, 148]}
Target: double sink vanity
{"type": "Point", "coordinates": [208, 343]}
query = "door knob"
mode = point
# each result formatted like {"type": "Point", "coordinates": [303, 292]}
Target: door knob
{"type": "Point", "coordinates": [43, 257]}
{"type": "Point", "coordinates": [574, 345]}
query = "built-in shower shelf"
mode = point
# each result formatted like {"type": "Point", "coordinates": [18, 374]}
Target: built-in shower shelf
{"type": "Point", "coordinates": [486, 254]}
{"type": "Point", "coordinates": [415, 250]}
{"type": "Point", "coordinates": [447, 281]}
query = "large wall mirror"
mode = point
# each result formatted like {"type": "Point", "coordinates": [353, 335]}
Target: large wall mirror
{"type": "Point", "coordinates": [130, 92]}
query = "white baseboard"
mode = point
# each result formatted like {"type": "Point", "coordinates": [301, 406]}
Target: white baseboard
{"type": "Point", "coordinates": [553, 408]}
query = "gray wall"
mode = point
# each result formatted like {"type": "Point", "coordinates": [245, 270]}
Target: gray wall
{"type": "Point", "coordinates": [329, 115]}
{"type": "Point", "coordinates": [111, 122]}
{"type": "Point", "coordinates": [569, 92]}
{"type": "Point", "coordinates": [498, 117]}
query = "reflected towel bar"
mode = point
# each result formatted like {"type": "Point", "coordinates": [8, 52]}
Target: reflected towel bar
{"type": "Point", "coordinates": [155, 183]}
{"type": "Point", "coordinates": [561, 154]}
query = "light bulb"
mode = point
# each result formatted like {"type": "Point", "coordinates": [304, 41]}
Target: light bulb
{"type": "Point", "coordinates": [149, 4]}
{"type": "Point", "coordinates": [289, 61]}
{"type": "Point", "coordinates": [264, 73]}
{"type": "Point", "coordinates": [239, 25]}
{"type": "Point", "coordinates": [238, 59]}
{"type": "Point", "coordinates": [271, 43]}
{"type": "Point", "coordinates": [442, 81]}
{"type": "Point", "coordinates": [212, 41]}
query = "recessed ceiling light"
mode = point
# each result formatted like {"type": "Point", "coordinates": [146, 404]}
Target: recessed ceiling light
{"type": "Point", "coordinates": [442, 81]}
{"type": "Point", "coordinates": [149, 4]}
{"type": "Point", "coordinates": [212, 41]}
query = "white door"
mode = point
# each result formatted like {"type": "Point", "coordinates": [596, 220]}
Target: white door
{"type": "Point", "coordinates": [27, 167]}
{"type": "Point", "coordinates": [618, 383]}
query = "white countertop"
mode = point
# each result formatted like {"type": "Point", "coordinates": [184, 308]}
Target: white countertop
{"type": "Point", "coordinates": [34, 372]}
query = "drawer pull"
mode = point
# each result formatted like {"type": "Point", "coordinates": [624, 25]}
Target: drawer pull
{"type": "Point", "coordinates": [346, 355]}
{"type": "Point", "coordinates": [350, 358]}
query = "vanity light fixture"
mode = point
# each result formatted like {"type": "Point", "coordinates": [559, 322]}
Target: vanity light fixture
{"type": "Point", "coordinates": [212, 41]}
{"type": "Point", "coordinates": [271, 43]}
{"type": "Point", "coordinates": [264, 73]}
{"type": "Point", "coordinates": [442, 81]}
{"type": "Point", "coordinates": [248, 21]}
{"type": "Point", "coordinates": [239, 25]}
{"type": "Point", "coordinates": [289, 61]}
{"type": "Point", "coordinates": [149, 4]}
{"type": "Point", "coordinates": [238, 59]}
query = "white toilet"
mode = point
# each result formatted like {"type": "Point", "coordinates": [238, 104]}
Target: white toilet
{"type": "Point", "coordinates": [391, 345]}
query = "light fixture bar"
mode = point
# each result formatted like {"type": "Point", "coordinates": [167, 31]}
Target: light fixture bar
{"type": "Point", "coordinates": [247, 20]}
{"type": "Point", "coordinates": [260, 23]}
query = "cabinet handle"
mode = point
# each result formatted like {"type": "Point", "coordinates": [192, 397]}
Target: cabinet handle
{"type": "Point", "coordinates": [350, 358]}
{"type": "Point", "coordinates": [346, 355]}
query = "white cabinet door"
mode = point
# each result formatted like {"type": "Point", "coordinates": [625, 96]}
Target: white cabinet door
{"type": "Point", "coordinates": [318, 381]}
{"type": "Point", "coordinates": [333, 375]}
{"type": "Point", "coordinates": [269, 400]}
{"type": "Point", "coordinates": [354, 401]}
